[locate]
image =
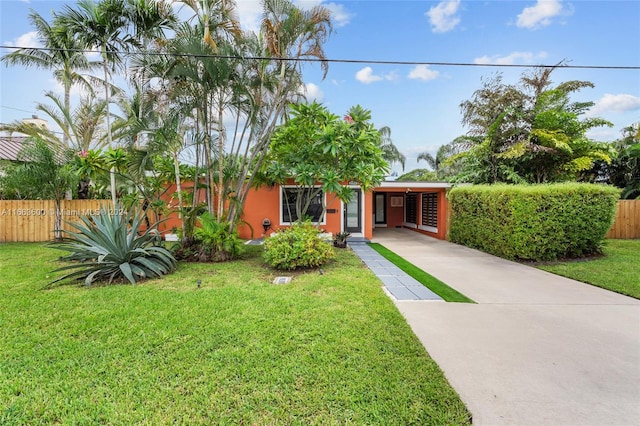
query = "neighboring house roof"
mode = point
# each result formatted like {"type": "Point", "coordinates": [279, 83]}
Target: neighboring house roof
{"type": "Point", "coordinates": [10, 146]}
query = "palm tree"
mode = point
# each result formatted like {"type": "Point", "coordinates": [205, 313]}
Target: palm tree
{"type": "Point", "coordinates": [389, 151]}
{"type": "Point", "coordinates": [61, 53]}
{"type": "Point", "coordinates": [100, 25]}
{"type": "Point", "coordinates": [286, 33]}
{"type": "Point", "coordinates": [82, 127]}
{"type": "Point", "coordinates": [217, 18]}
{"type": "Point", "coordinates": [438, 162]}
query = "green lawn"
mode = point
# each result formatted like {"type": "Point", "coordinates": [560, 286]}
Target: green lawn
{"type": "Point", "coordinates": [618, 270]}
{"type": "Point", "coordinates": [325, 349]}
{"type": "Point", "coordinates": [447, 293]}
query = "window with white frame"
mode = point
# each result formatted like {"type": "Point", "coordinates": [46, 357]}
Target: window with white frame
{"type": "Point", "coordinates": [288, 199]}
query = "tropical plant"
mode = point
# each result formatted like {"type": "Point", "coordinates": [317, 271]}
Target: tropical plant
{"type": "Point", "coordinates": [215, 241]}
{"type": "Point", "coordinates": [529, 132]}
{"type": "Point", "coordinates": [322, 153]}
{"type": "Point", "coordinates": [298, 246]}
{"type": "Point", "coordinates": [112, 247]}
{"type": "Point", "coordinates": [100, 25]}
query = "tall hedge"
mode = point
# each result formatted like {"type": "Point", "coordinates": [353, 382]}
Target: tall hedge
{"type": "Point", "coordinates": [533, 222]}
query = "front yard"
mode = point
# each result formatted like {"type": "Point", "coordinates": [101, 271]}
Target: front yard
{"type": "Point", "coordinates": [324, 349]}
{"type": "Point", "coordinates": [618, 270]}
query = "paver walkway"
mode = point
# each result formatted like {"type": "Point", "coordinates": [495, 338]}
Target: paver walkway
{"type": "Point", "coordinates": [395, 280]}
{"type": "Point", "coordinates": [537, 349]}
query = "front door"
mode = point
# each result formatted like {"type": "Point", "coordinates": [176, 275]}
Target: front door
{"type": "Point", "coordinates": [353, 213]}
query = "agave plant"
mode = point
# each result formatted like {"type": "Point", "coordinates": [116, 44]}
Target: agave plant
{"type": "Point", "coordinates": [110, 247]}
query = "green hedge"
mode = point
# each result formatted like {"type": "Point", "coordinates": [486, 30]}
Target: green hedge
{"type": "Point", "coordinates": [533, 222]}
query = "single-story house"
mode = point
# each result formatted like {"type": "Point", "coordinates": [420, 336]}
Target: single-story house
{"type": "Point", "coordinates": [420, 206]}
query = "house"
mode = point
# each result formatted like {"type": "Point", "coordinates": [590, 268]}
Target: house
{"type": "Point", "coordinates": [420, 206]}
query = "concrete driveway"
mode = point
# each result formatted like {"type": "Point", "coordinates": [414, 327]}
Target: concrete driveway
{"type": "Point", "coordinates": [536, 349]}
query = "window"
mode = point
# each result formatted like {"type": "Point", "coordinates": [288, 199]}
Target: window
{"type": "Point", "coordinates": [430, 209]}
{"type": "Point", "coordinates": [288, 198]}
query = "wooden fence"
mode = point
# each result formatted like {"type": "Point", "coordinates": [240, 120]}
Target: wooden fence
{"type": "Point", "coordinates": [34, 220]}
{"type": "Point", "coordinates": [627, 220]}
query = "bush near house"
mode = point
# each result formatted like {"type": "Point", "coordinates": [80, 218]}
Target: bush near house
{"type": "Point", "coordinates": [536, 222]}
{"type": "Point", "coordinates": [299, 246]}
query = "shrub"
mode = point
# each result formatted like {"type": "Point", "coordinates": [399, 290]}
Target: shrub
{"type": "Point", "coordinates": [299, 246]}
{"type": "Point", "coordinates": [535, 222]}
{"type": "Point", "coordinates": [213, 241]}
{"type": "Point", "coordinates": [110, 247]}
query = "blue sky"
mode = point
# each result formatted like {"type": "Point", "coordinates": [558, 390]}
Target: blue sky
{"type": "Point", "coordinates": [421, 103]}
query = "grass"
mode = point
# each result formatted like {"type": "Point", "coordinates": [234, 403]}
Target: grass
{"type": "Point", "coordinates": [438, 287]}
{"type": "Point", "coordinates": [325, 349]}
{"type": "Point", "coordinates": [618, 270]}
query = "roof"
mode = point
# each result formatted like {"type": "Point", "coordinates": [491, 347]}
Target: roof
{"type": "Point", "coordinates": [10, 146]}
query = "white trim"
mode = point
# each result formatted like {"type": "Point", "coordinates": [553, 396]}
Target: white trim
{"type": "Point", "coordinates": [409, 225]}
{"type": "Point", "coordinates": [281, 218]}
{"type": "Point", "coordinates": [428, 228]}
{"type": "Point", "coordinates": [362, 213]}
{"type": "Point", "coordinates": [380, 225]}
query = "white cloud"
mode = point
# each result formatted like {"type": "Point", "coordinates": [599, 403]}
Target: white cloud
{"type": "Point", "coordinates": [312, 92]}
{"type": "Point", "coordinates": [29, 39]}
{"type": "Point", "coordinates": [540, 14]}
{"type": "Point", "coordinates": [366, 76]}
{"type": "Point", "coordinates": [423, 72]}
{"type": "Point", "coordinates": [512, 58]}
{"type": "Point", "coordinates": [443, 17]}
{"type": "Point", "coordinates": [339, 14]}
{"type": "Point", "coordinates": [615, 103]}
{"type": "Point", "coordinates": [249, 14]}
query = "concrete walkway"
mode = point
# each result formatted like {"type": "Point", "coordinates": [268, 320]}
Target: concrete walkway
{"type": "Point", "coordinates": [536, 349]}
{"type": "Point", "coordinates": [395, 281]}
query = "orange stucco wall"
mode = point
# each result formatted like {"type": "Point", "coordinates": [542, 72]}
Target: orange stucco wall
{"type": "Point", "coordinates": [264, 203]}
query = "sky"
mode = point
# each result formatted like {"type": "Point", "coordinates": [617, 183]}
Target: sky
{"type": "Point", "coordinates": [420, 103]}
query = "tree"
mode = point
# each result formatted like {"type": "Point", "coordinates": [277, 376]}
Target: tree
{"type": "Point", "coordinates": [529, 132]}
{"type": "Point", "coordinates": [82, 127]}
{"type": "Point", "coordinates": [322, 153]}
{"type": "Point", "coordinates": [43, 173]}
{"type": "Point", "coordinates": [390, 152]}
{"type": "Point", "coordinates": [100, 25]}
{"type": "Point", "coordinates": [62, 53]}
{"type": "Point", "coordinates": [624, 170]}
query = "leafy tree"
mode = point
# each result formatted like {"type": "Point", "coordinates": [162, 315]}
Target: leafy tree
{"type": "Point", "coordinates": [624, 170]}
{"type": "Point", "coordinates": [43, 173]}
{"type": "Point", "coordinates": [530, 132]}
{"type": "Point", "coordinates": [321, 152]}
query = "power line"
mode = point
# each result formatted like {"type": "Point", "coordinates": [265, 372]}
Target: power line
{"type": "Point", "coordinates": [17, 109]}
{"type": "Point", "coordinates": [343, 61]}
